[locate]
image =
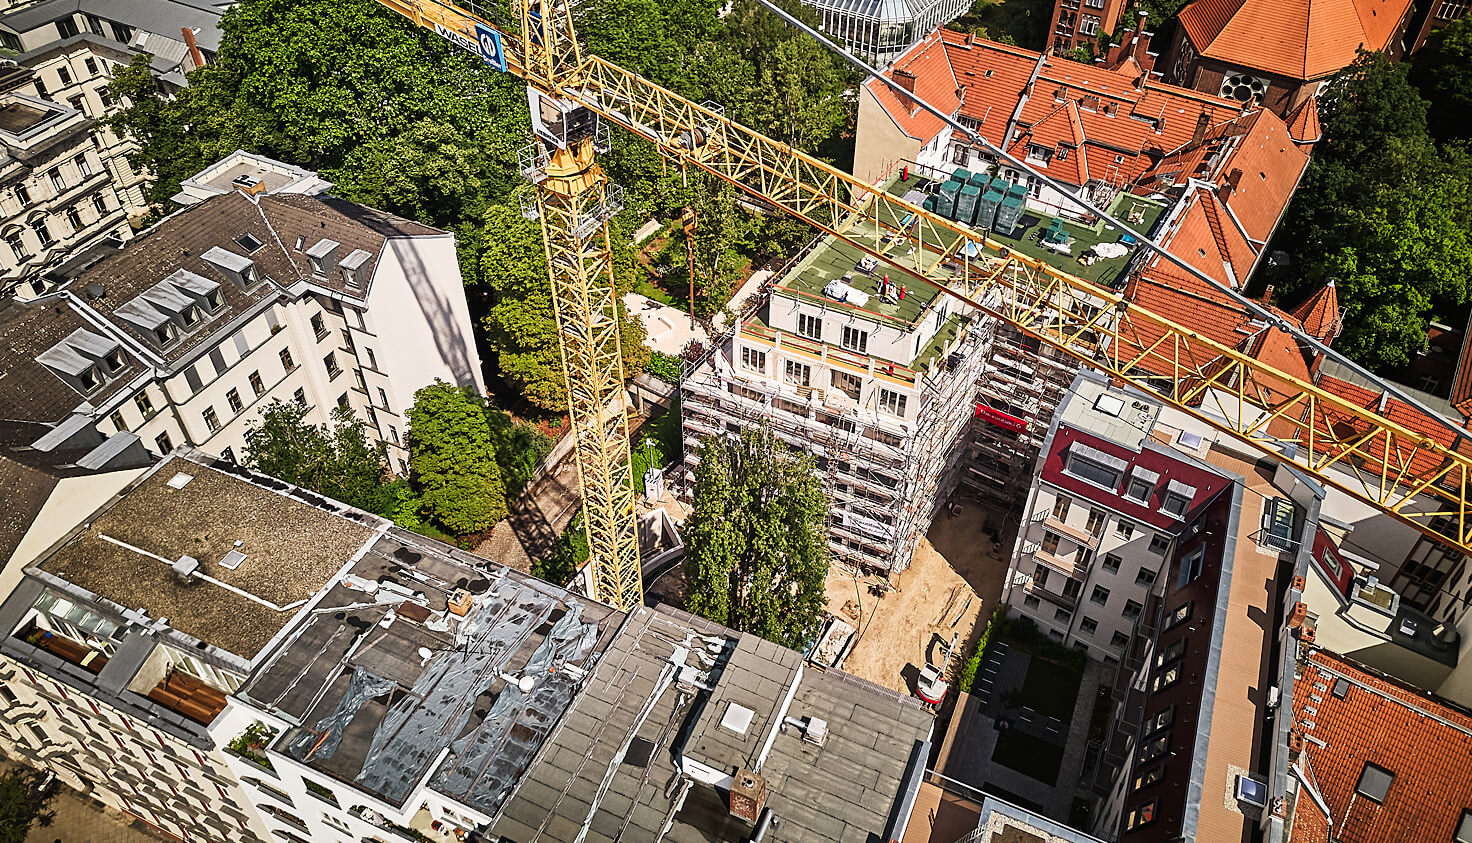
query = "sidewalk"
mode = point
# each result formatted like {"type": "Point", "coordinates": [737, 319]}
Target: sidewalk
{"type": "Point", "coordinates": [81, 820]}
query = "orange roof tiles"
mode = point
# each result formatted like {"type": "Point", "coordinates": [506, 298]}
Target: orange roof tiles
{"type": "Point", "coordinates": [1425, 743]}
{"type": "Point", "coordinates": [1298, 39]}
{"type": "Point", "coordinates": [1303, 122]}
{"type": "Point", "coordinates": [934, 83]}
{"type": "Point", "coordinates": [1319, 314]}
{"type": "Point", "coordinates": [1268, 166]}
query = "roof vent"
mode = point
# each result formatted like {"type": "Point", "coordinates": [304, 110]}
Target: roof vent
{"type": "Point", "coordinates": [180, 480]}
{"type": "Point", "coordinates": [232, 560]}
{"type": "Point", "coordinates": [737, 718]}
{"type": "Point", "coordinates": [816, 732]}
{"type": "Point", "coordinates": [185, 568]}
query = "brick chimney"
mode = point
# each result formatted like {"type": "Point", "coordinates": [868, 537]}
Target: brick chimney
{"type": "Point", "coordinates": [748, 795]}
{"type": "Point", "coordinates": [1267, 295]}
{"type": "Point", "coordinates": [195, 55]}
{"type": "Point", "coordinates": [1203, 123]}
{"type": "Point", "coordinates": [906, 79]}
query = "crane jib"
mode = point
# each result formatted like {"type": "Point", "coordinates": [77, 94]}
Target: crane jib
{"type": "Point", "coordinates": [486, 43]}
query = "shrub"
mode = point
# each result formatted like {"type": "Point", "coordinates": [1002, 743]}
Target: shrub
{"type": "Point", "coordinates": [664, 367]}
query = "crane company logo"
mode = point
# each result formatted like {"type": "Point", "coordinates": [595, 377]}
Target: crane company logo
{"type": "Point", "coordinates": [486, 43]}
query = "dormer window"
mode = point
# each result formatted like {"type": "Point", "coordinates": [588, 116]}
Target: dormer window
{"type": "Point", "coordinates": [238, 268]}
{"type": "Point", "coordinates": [355, 268]}
{"type": "Point", "coordinates": [166, 333]}
{"type": "Point", "coordinates": [84, 360]}
{"type": "Point", "coordinates": [190, 316]}
{"type": "Point", "coordinates": [323, 257]}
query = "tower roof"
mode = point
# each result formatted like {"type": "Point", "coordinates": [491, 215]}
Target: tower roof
{"type": "Point", "coordinates": [1303, 122]}
{"type": "Point", "coordinates": [1319, 315]}
{"type": "Point", "coordinates": [1299, 39]}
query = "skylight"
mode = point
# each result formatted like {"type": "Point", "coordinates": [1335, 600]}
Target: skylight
{"type": "Point", "coordinates": [249, 242]}
{"type": "Point", "coordinates": [1374, 782]}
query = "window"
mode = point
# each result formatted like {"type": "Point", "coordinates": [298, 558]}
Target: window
{"type": "Point", "coordinates": [1094, 466]}
{"type": "Point", "coordinates": [1154, 748]}
{"type": "Point", "coordinates": [229, 454]}
{"type": "Point", "coordinates": [1165, 678]}
{"type": "Point", "coordinates": [358, 376]}
{"type": "Point", "coordinates": [1118, 640]}
{"type": "Point", "coordinates": [892, 402]}
{"type": "Point", "coordinates": [67, 28]}
{"type": "Point", "coordinates": [319, 327]}
{"type": "Point", "coordinates": [1141, 815]}
{"type": "Point", "coordinates": [17, 245]}
{"type": "Point", "coordinates": [1148, 777]}
{"type": "Point", "coordinates": [286, 362]}
{"type": "Point", "coordinates": [43, 233]}
{"type": "Point", "coordinates": [1132, 609]}
{"type": "Point", "coordinates": [1087, 625]}
{"type": "Point", "coordinates": [74, 219]}
{"type": "Point", "coordinates": [145, 406]}
{"type": "Point", "coordinates": [1062, 616]}
{"type": "Point", "coordinates": [117, 421]}
{"type": "Point", "coordinates": [1061, 506]}
{"type": "Point", "coordinates": [41, 88]}
{"type": "Point", "coordinates": [233, 399]}
{"type": "Point", "coordinates": [99, 205]}
{"type": "Point", "coordinates": [1096, 522]}
{"type": "Point", "coordinates": [92, 63]}
{"type": "Point", "coordinates": [1170, 652]}
{"type": "Point", "coordinates": [190, 316]}
{"type": "Point", "coordinates": [1111, 562]}
{"type": "Point", "coordinates": [1175, 504]}
{"type": "Point", "coordinates": [257, 385]}
{"type": "Point", "coordinates": [393, 433]}
{"type": "Point", "coordinates": [751, 360]}
{"type": "Point", "coordinates": [1179, 616]}
{"type": "Point", "coordinates": [1277, 524]}
{"type": "Point", "coordinates": [373, 359]}
{"type": "Point", "coordinates": [1050, 542]}
{"type": "Point", "coordinates": [1159, 720]}
{"type": "Point", "coordinates": [211, 421]}
{"type": "Point", "coordinates": [1190, 567]}
{"type": "Point", "coordinates": [1031, 602]}
{"type": "Point", "coordinates": [798, 374]}
{"type": "Point", "coordinates": [330, 362]}
{"type": "Point", "coordinates": [1124, 529]}
{"type": "Point", "coordinates": [300, 397]}
{"type": "Point", "coordinates": [1374, 782]}
{"type": "Point", "coordinates": [810, 326]}
{"type": "Point", "coordinates": [57, 182]}
{"type": "Point", "coordinates": [855, 339]}
{"type": "Point", "coordinates": [1145, 577]}
{"type": "Point", "coordinates": [164, 443]}
{"type": "Point", "coordinates": [342, 400]}
{"type": "Point", "coordinates": [165, 333]}
{"type": "Point", "coordinates": [122, 32]}
{"type": "Point", "coordinates": [1100, 595]}
{"type": "Point", "coordinates": [382, 398]}
{"type": "Point", "coordinates": [1139, 489]}
{"type": "Point", "coordinates": [1159, 544]}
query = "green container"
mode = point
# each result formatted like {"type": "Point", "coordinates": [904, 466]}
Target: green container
{"type": "Point", "coordinates": [929, 203]}
{"type": "Point", "coordinates": [981, 180]}
{"type": "Point", "coordinates": [961, 175]}
{"type": "Point", "coordinates": [986, 207]}
{"type": "Point", "coordinates": [945, 202]}
{"type": "Point", "coordinates": [1019, 190]}
{"type": "Point", "coordinates": [966, 202]}
{"type": "Point", "coordinates": [1009, 214]}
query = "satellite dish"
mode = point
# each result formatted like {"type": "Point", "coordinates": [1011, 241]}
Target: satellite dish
{"type": "Point", "coordinates": [526, 684]}
{"type": "Point", "coordinates": [425, 654]}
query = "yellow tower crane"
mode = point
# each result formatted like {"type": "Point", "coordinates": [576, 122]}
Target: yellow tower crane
{"type": "Point", "coordinates": [1356, 449]}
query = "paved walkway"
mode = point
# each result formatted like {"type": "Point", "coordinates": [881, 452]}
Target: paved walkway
{"type": "Point", "coordinates": [666, 329]}
{"type": "Point", "coordinates": [81, 820]}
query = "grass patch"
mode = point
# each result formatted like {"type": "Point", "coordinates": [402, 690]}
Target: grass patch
{"type": "Point", "coordinates": [658, 443]}
{"type": "Point", "coordinates": [1030, 756]}
{"type": "Point", "coordinates": [1050, 689]}
{"type": "Point", "coordinates": [646, 288]}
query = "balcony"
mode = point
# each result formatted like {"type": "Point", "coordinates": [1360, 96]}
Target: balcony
{"type": "Point", "coordinates": [1069, 603]}
{"type": "Point", "coordinates": [1082, 537]}
{"type": "Point", "coordinates": [182, 693]}
{"type": "Point", "coordinates": [63, 648]}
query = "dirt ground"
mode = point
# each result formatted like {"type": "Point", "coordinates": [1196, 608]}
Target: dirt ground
{"type": "Point", "coordinates": [955, 578]}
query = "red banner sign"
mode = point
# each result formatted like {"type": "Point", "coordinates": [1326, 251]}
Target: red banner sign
{"type": "Point", "coordinates": [1000, 419]}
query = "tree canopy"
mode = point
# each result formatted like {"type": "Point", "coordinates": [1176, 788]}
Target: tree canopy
{"type": "Point", "coordinates": [756, 548]}
{"type": "Point", "coordinates": [1442, 72]}
{"type": "Point", "coordinates": [23, 803]}
{"type": "Point", "coordinates": [453, 461]}
{"type": "Point", "coordinates": [1384, 211]}
{"type": "Point", "coordinates": [334, 460]}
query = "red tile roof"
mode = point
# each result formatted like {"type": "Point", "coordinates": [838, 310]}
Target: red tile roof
{"type": "Point", "coordinates": [1298, 39]}
{"type": "Point", "coordinates": [1303, 122]}
{"type": "Point", "coordinates": [1319, 314]}
{"type": "Point", "coordinates": [1424, 742]}
{"type": "Point", "coordinates": [1118, 113]}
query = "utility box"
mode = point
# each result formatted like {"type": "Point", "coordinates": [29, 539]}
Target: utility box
{"type": "Point", "coordinates": [653, 484]}
{"type": "Point", "coordinates": [748, 795]}
{"type": "Point", "coordinates": [459, 602]}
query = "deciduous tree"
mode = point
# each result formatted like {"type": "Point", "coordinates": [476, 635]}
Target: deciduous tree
{"type": "Point", "coordinates": [23, 804]}
{"type": "Point", "coordinates": [453, 461]}
{"type": "Point", "coordinates": [756, 550]}
{"type": "Point", "coordinates": [334, 460]}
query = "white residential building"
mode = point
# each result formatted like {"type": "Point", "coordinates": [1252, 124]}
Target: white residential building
{"type": "Point", "coordinates": [185, 333]}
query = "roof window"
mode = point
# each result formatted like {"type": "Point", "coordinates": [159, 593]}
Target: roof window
{"type": "Point", "coordinates": [249, 242]}
{"type": "Point", "coordinates": [238, 268]}
{"type": "Point", "coordinates": [1341, 687]}
{"type": "Point", "coordinates": [1464, 828]}
{"type": "Point", "coordinates": [1374, 782]}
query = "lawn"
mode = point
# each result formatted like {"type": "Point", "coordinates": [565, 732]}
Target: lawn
{"type": "Point", "coordinates": [1050, 689]}
{"type": "Point", "coordinates": [1028, 755]}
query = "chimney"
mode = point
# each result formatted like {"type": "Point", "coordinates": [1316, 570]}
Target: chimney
{"type": "Point", "coordinates": [1142, 45]}
{"type": "Point", "coordinates": [1267, 295]}
{"type": "Point", "coordinates": [1202, 124]}
{"type": "Point", "coordinates": [194, 54]}
{"type": "Point", "coordinates": [748, 795]}
{"type": "Point", "coordinates": [906, 80]}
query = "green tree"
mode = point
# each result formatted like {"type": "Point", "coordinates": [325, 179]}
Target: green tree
{"type": "Point", "coordinates": [453, 461]}
{"type": "Point", "coordinates": [23, 804]}
{"type": "Point", "coordinates": [334, 460]}
{"type": "Point", "coordinates": [1366, 103]}
{"type": "Point", "coordinates": [520, 449]}
{"type": "Point", "coordinates": [1442, 72]}
{"type": "Point", "coordinates": [756, 550]}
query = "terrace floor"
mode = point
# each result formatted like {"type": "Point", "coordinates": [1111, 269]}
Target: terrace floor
{"type": "Point", "coordinates": [189, 696]}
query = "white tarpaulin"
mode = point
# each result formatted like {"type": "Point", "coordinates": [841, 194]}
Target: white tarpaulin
{"type": "Point", "coordinates": [1110, 250]}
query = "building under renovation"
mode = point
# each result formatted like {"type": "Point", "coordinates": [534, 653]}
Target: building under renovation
{"type": "Point", "coordinates": [872, 378]}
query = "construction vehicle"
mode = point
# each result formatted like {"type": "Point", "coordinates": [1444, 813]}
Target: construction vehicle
{"type": "Point", "coordinates": [1382, 462]}
{"type": "Point", "coordinates": [932, 685]}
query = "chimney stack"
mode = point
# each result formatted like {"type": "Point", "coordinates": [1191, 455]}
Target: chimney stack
{"type": "Point", "coordinates": [748, 795]}
{"type": "Point", "coordinates": [1203, 122]}
{"type": "Point", "coordinates": [195, 55]}
{"type": "Point", "coordinates": [1267, 295]}
{"type": "Point", "coordinates": [906, 79]}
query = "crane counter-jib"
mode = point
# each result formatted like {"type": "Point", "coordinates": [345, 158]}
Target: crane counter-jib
{"type": "Point", "coordinates": [1373, 458]}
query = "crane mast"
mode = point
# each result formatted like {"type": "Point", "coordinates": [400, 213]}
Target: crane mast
{"type": "Point", "coordinates": [1358, 449]}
